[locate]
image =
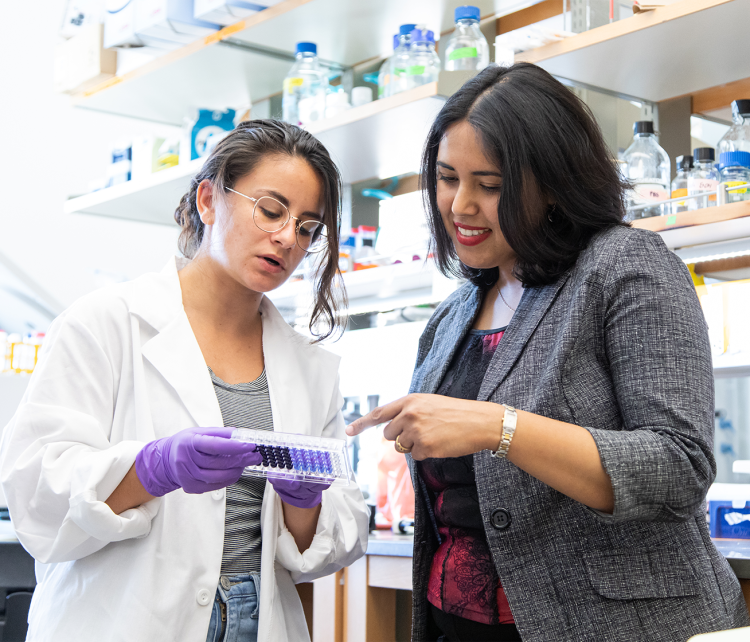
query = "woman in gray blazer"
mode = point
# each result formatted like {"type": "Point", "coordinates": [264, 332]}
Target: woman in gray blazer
{"type": "Point", "coordinates": [560, 425]}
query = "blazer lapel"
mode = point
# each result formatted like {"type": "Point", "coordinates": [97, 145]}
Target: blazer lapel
{"type": "Point", "coordinates": [531, 310]}
{"type": "Point", "coordinates": [448, 336]}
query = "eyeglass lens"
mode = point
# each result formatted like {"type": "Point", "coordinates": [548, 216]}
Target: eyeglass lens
{"type": "Point", "coordinates": [270, 216]}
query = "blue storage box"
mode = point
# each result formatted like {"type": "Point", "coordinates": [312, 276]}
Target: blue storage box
{"type": "Point", "coordinates": [728, 521]}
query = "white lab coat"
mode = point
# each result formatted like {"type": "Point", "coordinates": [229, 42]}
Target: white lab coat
{"type": "Point", "coordinates": [119, 368]}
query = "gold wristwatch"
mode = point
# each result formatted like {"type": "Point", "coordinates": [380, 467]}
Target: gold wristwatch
{"type": "Point", "coordinates": [510, 419]}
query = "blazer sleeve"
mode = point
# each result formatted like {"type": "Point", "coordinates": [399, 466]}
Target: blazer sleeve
{"type": "Point", "coordinates": [661, 462]}
{"type": "Point", "coordinates": [343, 525]}
{"type": "Point", "coordinates": [57, 463]}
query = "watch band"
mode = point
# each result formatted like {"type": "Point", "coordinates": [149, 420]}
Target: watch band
{"type": "Point", "coordinates": [510, 419]}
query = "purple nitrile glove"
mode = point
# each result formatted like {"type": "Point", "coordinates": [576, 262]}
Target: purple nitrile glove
{"type": "Point", "coordinates": [299, 493]}
{"type": "Point", "coordinates": [197, 460]}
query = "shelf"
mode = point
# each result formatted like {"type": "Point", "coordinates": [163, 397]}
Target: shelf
{"type": "Point", "coordinates": [696, 217]}
{"type": "Point", "coordinates": [376, 290]}
{"type": "Point", "coordinates": [232, 66]}
{"type": "Point", "coordinates": [151, 200]}
{"type": "Point", "coordinates": [672, 51]}
{"type": "Point", "coordinates": [709, 225]}
{"type": "Point", "coordinates": [381, 139]}
{"type": "Point", "coordinates": [385, 137]}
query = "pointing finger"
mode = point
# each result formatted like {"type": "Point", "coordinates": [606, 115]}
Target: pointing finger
{"type": "Point", "coordinates": [378, 416]}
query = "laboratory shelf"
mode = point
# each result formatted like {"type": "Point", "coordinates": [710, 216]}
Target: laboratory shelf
{"type": "Point", "coordinates": [385, 138]}
{"type": "Point", "coordinates": [152, 199]}
{"type": "Point", "coordinates": [709, 225]}
{"type": "Point", "coordinates": [248, 60]}
{"type": "Point", "coordinates": [375, 290]}
{"type": "Point", "coordinates": [656, 55]}
{"type": "Point", "coordinates": [377, 140]}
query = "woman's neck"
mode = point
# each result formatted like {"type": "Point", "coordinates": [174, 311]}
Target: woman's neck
{"type": "Point", "coordinates": [213, 299]}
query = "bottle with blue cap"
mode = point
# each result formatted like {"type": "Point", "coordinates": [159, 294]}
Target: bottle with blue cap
{"type": "Point", "coordinates": [424, 63]}
{"type": "Point", "coordinates": [400, 61]}
{"type": "Point", "coordinates": [467, 47]}
{"type": "Point", "coordinates": [305, 87]}
{"type": "Point", "coordinates": [735, 170]}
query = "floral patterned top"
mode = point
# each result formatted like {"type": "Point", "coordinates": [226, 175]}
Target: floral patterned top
{"type": "Point", "coordinates": [463, 580]}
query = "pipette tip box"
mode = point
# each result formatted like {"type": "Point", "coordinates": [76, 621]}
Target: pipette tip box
{"type": "Point", "coordinates": [298, 457]}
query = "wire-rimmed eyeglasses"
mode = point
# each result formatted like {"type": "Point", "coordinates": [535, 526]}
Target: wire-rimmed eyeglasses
{"type": "Point", "coordinates": [271, 216]}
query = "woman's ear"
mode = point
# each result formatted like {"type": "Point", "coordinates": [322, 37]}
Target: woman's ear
{"type": "Point", "coordinates": [204, 201]}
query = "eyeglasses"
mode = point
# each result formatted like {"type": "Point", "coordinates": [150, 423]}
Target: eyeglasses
{"type": "Point", "coordinates": [271, 216]}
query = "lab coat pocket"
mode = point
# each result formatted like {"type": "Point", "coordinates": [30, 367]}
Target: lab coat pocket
{"type": "Point", "coordinates": [641, 574]}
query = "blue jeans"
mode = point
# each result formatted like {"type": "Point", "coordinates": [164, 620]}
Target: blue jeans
{"type": "Point", "coordinates": [234, 617]}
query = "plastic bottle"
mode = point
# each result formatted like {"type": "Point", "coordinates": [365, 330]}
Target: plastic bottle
{"type": "Point", "coordinates": [737, 139]}
{"type": "Point", "coordinates": [467, 47]}
{"type": "Point", "coordinates": [400, 61]}
{"type": "Point", "coordinates": [704, 178]}
{"type": "Point", "coordinates": [648, 168]}
{"type": "Point", "coordinates": [305, 87]}
{"type": "Point", "coordinates": [735, 170]}
{"type": "Point", "coordinates": [680, 182]}
{"type": "Point", "coordinates": [424, 62]}
{"type": "Point", "coordinates": [337, 102]}
{"type": "Point", "coordinates": [384, 75]}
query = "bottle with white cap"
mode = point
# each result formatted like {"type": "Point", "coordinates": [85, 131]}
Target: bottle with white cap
{"type": "Point", "coordinates": [704, 178]}
{"type": "Point", "coordinates": [305, 87]}
{"type": "Point", "coordinates": [401, 60]}
{"type": "Point", "coordinates": [467, 47]}
{"type": "Point", "coordinates": [737, 139]}
{"type": "Point", "coordinates": [648, 168]}
{"type": "Point", "coordinates": [424, 62]}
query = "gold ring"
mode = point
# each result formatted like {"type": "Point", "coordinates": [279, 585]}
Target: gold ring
{"type": "Point", "coordinates": [400, 448]}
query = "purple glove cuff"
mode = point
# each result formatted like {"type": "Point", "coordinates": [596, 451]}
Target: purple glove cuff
{"type": "Point", "coordinates": [152, 473]}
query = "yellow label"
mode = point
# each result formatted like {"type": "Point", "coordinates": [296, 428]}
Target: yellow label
{"type": "Point", "coordinates": [291, 83]}
{"type": "Point", "coordinates": [676, 193]}
{"type": "Point", "coordinates": [736, 191]}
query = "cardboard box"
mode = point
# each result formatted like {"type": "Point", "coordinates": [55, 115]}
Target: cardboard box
{"type": "Point", "coordinates": [82, 62]}
{"type": "Point", "coordinates": [119, 24]}
{"type": "Point", "coordinates": [169, 21]}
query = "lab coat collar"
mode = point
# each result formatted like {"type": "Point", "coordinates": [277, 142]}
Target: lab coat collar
{"type": "Point", "coordinates": [295, 368]}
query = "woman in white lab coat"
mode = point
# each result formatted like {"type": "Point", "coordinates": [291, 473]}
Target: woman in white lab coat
{"type": "Point", "coordinates": [116, 462]}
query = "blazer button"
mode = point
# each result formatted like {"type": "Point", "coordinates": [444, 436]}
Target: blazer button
{"type": "Point", "coordinates": [203, 597]}
{"type": "Point", "coordinates": [500, 519]}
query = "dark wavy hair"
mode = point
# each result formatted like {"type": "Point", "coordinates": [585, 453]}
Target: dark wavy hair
{"type": "Point", "coordinates": [532, 127]}
{"type": "Point", "coordinates": [235, 156]}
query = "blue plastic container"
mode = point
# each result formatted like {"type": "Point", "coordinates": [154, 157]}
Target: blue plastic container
{"type": "Point", "coordinates": [728, 522]}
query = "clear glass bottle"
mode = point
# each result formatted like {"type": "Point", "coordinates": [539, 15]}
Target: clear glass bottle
{"type": "Point", "coordinates": [648, 168]}
{"type": "Point", "coordinates": [704, 178]}
{"type": "Point", "coordinates": [384, 74]}
{"type": "Point", "coordinates": [467, 47]}
{"type": "Point", "coordinates": [305, 87]}
{"type": "Point", "coordinates": [737, 139]}
{"type": "Point", "coordinates": [401, 60]}
{"type": "Point", "coordinates": [680, 183]}
{"type": "Point", "coordinates": [735, 170]}
{"type": "Point", "coordinates": [424, 62]}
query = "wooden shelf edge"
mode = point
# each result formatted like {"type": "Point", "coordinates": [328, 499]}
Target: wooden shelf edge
{"type": "Point", "coordinates": [637, 22]}
{"type": "Point", "coordinates": [79, 98]}
{"type": "Point", "coordinates": [697, 217]}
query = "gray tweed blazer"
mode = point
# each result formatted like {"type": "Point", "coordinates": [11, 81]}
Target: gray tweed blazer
{"type": "Point", "coordinates": [618, 345]}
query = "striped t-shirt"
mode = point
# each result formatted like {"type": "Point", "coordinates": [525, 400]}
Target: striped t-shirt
{"type": "Point", "coordinates": [243, 405]}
